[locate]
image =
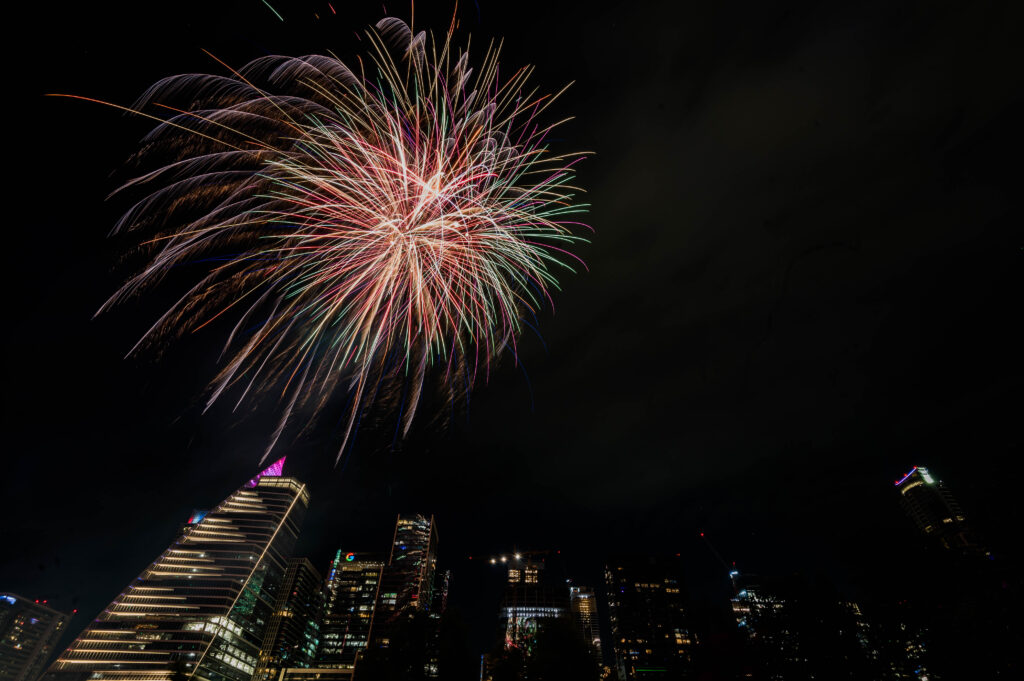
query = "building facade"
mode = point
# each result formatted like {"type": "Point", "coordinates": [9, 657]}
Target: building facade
{"type": "Point", "coordinates": [934, 510]}
{"type": "Point", "coordinates": [408, 580]}
{"type": "Point", "coordinates": [351, 590]}
{"type": "Point", "coordinates": [583, 605]}
{"type": "Point", "coordinates": [404, 634]}
{"type": "Point", "coordinates": [201, 609]}
{"type": "Point", "coordinates": [293, 633]}
{"type": "Point", "coordinates": [651, 635]}
{"type": "Point", "coordinates": [29, 630]}
{"type": "Point", "coordinates": [765, 616]}
{"type": "Point", "coordinates": [531, 597]}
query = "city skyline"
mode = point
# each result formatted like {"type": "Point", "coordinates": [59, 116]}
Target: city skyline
{"type": "Point", "coordinates": [320, 627]}
{"type": "Point", "coordinates": [802, 283]}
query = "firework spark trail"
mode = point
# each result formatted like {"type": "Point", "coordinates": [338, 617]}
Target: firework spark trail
{"type": "Point", "coordinates": [364, 230]}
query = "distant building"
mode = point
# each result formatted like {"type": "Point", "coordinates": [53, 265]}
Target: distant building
{"type": "Point", "coordinates": [531, 598]}
{"type": "Point", "coordinates": [293, 633]}
{"type": "Point", "coordinates": [29, 630]}
{"type": "Point", "coordinates": [583, 604]}
{"type": "Point", "coordinates": [934, 510]}
{"type": "Point", "coordinates": [201, 609]}
{"type": "Point", "coordinates": [800, 630]}
{"type": "Point", "coordinates": [765, 615]}
{"type": "Point", "coordinates": [535, 601]}
{"type": "Point", "coordinates": [442, 581]}
{"type": "Point", "coordinates": [351, 591]}
{"type": "Point", "coordinates": [651, 634]}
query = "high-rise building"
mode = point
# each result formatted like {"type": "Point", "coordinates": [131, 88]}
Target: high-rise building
{"type": "Point", "coordinates": [404, 633]}
{"type": "Point", "coordinates": [439, 603]}
{"type": "Point", "coordinates": [583, 605]}
{"type": "Point", "coordinates": [934, 510]}
{"type": "Point", "coordinates": [765, 616]}
{"type": "Point", "coordinates": [293, 633]}
{"type": "Point", "coordinates": [651, 635]}
{"type": "Point", "coordinates": [201, 609]}
{"type": "Point", "coordinates": [796, 629]}
{"type": "Point", "coordinates": [535, 600]}
{"type": "Point", "coordinates": [407, 581]}
{"type": "Point", "coordinates": [532, 597]}
{"type": "Point", "coordinates": [351, 588]}
{"type": "Point", "coordinates": [29, 630]}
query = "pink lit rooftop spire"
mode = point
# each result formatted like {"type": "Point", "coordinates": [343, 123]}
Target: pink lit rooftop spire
{"type": "Point", "coordinates": [274, 470]}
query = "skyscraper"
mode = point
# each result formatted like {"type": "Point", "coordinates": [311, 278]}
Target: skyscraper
{"type": "Point", "coordinates": [765, 616]}
{"type": "Point", "coordinates": [200, 610]}
{"type": "Point", "coordinates": [293, 633]}
{"type": "Point", "coordinates": [404, 634]}
{"type": "Point", "coordinates": [800, 630]}
{"type": "Point", "coordinates": [547, 628]}
{"type": "Point", "coordinates": [407, 583]}
{"type": "Point", "coordinates": [531, 598]}
{"type": "Point", "coordinates": [351, 588]}
{"type": "Point", "coordinates": [583, 604]}
{"type": "Point", "coordinates": [28, 632]}
{"type": "Point", "coordinates": [534, 602]}
{"type": "Point", "coordinates": [934, 510]}
{"type": "Point", "coordinates": [651, 636]}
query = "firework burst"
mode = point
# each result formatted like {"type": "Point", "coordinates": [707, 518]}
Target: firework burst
{"type": "Point", "coordinates": [362, 229]}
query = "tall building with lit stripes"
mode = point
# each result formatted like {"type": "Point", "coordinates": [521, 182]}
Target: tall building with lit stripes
{"type": "Point", "coordinates": [583, 604]}
{"type": "Point", "coordinates": [200, 610]}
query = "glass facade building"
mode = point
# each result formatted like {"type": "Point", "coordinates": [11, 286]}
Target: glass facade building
{"type": "Point", "coordinates": [293, 633]}
{"type": "Point", "coordinates": [407, 582]}
{"type": "Point", "coordinates": [201, 609]}
{"type": "Point", "coordinates": [351, 592]}
{"type": "Point", "coordinates": [407, 610]}
{"type": "Point", "coordinates": [29, 630]}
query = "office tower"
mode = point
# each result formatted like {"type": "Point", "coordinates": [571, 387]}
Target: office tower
{"type": "Point", "coordinates": [28, 632]}
{"type": "Point", "coordinates": [293, 632]}
{"type": "Point", "coordinates": [583, 605]}
{"type": "Point", "coordinates": [765, 614]}
{"type": "Point", "coordinates": [934, 510]}
{"type": "Point", "coordinates": [200, 610]}
{"type": "Point", "coordinates": [532, 597]}
{"type": "Point", "coordinates": [407, 583]}
{"type": "Point", "coordinates": [351, 589]}
{"type": "Point", "coordinates": [546, 628]}
{"type": "Point", "coordinates": [800, 630]}
{"type": "Point", "coordinates": [432, 665]}
{"type": "Point", "coordinates": [404, 634]}
{"type": "Point", "coordinates": [651, 636]}
{"type": "Point", "coordinates": [442, 582]}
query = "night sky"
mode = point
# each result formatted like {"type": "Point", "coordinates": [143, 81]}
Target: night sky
{"type": "Point", "coordinates": [805, 278]}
